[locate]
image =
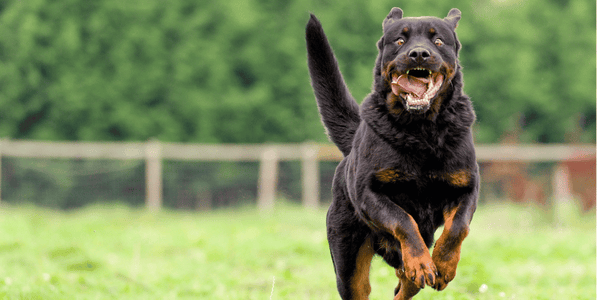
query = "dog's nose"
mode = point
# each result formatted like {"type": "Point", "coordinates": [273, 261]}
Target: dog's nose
{"type": "Point", "coordinates": [419, 54]}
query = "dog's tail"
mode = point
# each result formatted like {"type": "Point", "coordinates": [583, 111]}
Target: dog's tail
{"type": "Point", "coordinates": [339, 111]}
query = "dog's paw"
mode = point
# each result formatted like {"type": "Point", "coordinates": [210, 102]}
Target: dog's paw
{"type": "Point", "coordinates": [420, 269]}
{"type": "Point", "coordinates": [446, 261]}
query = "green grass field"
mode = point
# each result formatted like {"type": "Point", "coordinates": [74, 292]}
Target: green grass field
{"type": "Point", "coordinates": [116, 252]}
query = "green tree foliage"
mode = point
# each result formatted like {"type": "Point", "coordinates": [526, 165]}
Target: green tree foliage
{"type": "Point", "coordinates": [531, 64]}
{"type": "Point", "coordinates": [235, 71]}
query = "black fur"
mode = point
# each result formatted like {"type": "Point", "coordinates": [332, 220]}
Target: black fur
{"type": "Point", "coordinates": [336, 104]}
{"type": "Point", "coordinates": [401, 163]}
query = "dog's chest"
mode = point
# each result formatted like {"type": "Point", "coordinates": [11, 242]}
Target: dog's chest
{"type": "Point", "coordinates": [394, 176]}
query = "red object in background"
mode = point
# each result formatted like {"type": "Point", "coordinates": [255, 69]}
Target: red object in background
{"type": "Point", "coordinates": [515, 181]}
{"type": "Point", "coordinates": [582, 177]}
{"type": "Point", "coordinates": [520, 186]}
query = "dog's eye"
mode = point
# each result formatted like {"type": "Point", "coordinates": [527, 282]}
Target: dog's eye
{"type": "Point", "coordinates": [400, 42]}
{"type": "Point", "coordinates": [438, 42]}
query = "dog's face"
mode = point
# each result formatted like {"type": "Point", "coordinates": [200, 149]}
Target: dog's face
{"type": "Point", "coordinates": [418, 60]}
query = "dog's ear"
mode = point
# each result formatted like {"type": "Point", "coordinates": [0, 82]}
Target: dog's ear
{"type": "Point", "coordinates": [394, 15]}
{"type": "Point", "coordinates": [380, 44]}
{"type": "Point", "coordinates": [378, 66]}
{"type": "Point", "coordinates": [453, 17]}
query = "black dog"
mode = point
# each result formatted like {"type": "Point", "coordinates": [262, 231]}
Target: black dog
{"type": "Point", "coordinates": [409, 161]}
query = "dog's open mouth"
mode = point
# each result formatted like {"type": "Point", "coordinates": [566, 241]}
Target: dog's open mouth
{"type": "Point", "coordinates": [417, 86]}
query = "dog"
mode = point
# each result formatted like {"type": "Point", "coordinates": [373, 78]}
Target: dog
{"type": "Point", "coordinates": [409, 162]}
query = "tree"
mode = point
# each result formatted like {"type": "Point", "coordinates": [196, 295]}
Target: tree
{"type": "Point", "coordinates": [235, 72]}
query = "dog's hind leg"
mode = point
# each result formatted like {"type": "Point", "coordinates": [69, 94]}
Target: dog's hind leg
{"type": "Point", "coordinates": [352, 261]}
{"type": "Point", "coordinates": [351, 249]}
{"type": "Point", "coordinates": [406, 289]}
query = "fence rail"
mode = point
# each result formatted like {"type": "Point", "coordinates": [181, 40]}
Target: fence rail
{"type": "Point", "coordinates": [153, 152]}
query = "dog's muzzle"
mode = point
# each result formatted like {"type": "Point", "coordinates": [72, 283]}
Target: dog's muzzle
{"type": "Point", "coordinates": [417, 87]}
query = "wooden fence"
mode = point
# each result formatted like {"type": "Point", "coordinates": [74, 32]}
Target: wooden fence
{"type": "Point", "coordinates": [153, 152]}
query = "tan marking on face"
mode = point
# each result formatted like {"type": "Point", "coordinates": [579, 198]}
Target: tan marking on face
{"type": "Point", "coordinates": [394, 104]}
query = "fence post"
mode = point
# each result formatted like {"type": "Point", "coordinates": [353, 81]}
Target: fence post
{"type": "Point", "coordinates": [153, 175]}
{"type": "Point", "coordinates": [267, 180]}
{"type": "Point", "coordinates": [561, 191]}
{"type": "Point", "coordinates": [2, 141]}
{"type": "Point", "coordinates": [310, 176]}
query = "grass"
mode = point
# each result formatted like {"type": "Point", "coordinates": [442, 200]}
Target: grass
{"type": "Point", "coordinates": [116, 252]}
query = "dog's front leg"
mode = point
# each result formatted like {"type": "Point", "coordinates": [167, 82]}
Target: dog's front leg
{"type": "Point", "coordinates": [379, 211]}
{"type": "Point", "coordinates": [446, 252]}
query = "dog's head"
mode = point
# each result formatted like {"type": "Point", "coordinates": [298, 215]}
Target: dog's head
{"type": "Point", "coordinates": [418, 59]}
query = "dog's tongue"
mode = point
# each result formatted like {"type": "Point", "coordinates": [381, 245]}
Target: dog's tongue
{"type": "Point", "coordinates": [409, 85]}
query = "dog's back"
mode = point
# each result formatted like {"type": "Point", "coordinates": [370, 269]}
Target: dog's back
{"type": "Point", "coordinates": [339, 111]}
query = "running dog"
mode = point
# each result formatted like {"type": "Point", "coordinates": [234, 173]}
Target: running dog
{"type": "Point", "coordinates": [409, 162]}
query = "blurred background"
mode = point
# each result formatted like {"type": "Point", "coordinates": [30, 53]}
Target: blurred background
{"type": "Point", "coordinates": [184, 72]}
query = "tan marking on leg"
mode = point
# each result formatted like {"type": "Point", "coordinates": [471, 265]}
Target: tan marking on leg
{"type": "Point", "coordinates": [418, 265]}
{"type": "Point", "coordinates": [361, 288]}
{"type": "Point", "coordinates": [446, 253]}
{"type": "Point", "coordinates": [406, 288]}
